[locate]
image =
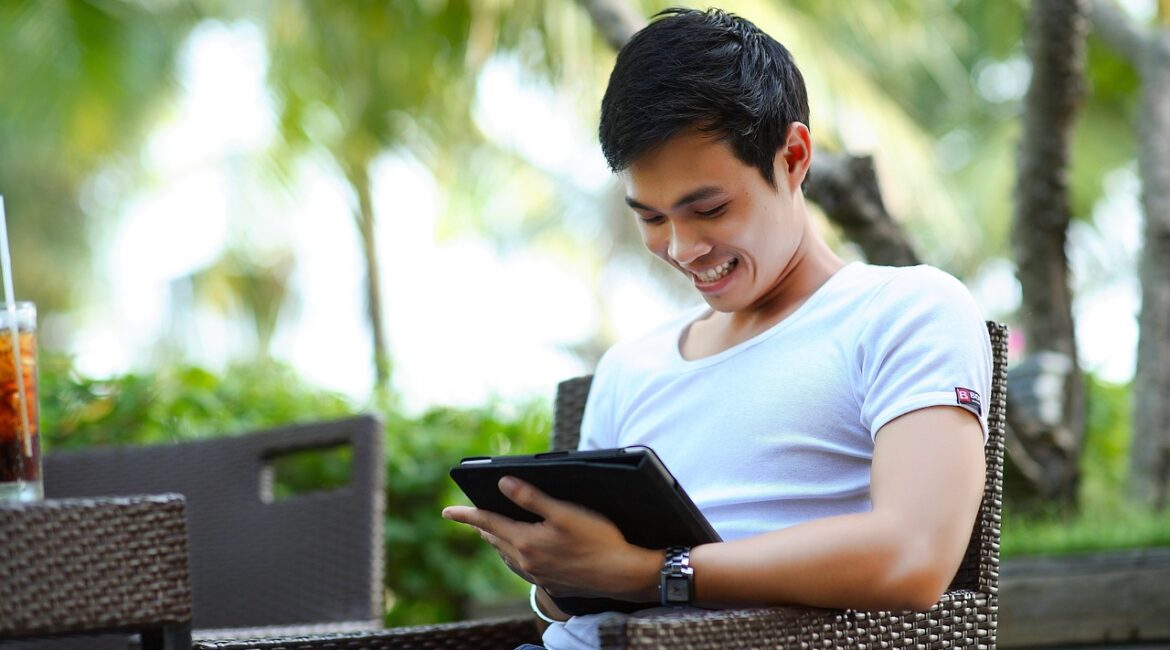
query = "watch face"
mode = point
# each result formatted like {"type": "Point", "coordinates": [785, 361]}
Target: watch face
{"type": "Point", "coordinates": [677, 590]}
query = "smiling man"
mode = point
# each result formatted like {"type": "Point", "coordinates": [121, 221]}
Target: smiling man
{"type": "Point", "coordinates": [824, 416]}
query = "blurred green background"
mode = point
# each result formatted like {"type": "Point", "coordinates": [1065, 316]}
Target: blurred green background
{"type": "Point", "coordinates": [241, 214]}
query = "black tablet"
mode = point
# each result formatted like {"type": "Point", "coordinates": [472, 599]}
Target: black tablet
{"type": "Point", "coordinates": [630, 486]}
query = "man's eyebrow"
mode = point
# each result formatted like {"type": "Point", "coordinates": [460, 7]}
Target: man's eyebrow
{"type": "Point", "coordinates": [705, 192]}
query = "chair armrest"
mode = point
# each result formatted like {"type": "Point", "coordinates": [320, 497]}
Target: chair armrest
{"type": "Point", "coordinates": [504, 633]}
{"type": "Point", "coordinates": [957, 616]}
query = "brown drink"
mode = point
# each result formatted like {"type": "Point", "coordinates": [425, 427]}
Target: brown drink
{"type": "Point", "coordinates": [20, 449]}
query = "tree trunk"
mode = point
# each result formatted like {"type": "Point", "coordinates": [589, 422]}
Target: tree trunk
{"type": "Point", "coordinates": [359, 178]}
{"type": "Point", "coordinates": [1149, 52]}
{"type": "Point", "coordinates": [615, 20]}
{"type": "Point", "coordinates": [1047, 418]}
{"type": "Point", "coordinates": [845, 187]}
{"type": "Point", "coordinates": [1151, 392]}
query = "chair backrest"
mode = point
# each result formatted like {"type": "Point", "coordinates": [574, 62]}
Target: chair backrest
{"type": "Point", "coordinates": [95, 565]}
{"type": "Point", "coordinates": [979, 570]}
{"type": "Point", "coordinates": [568, 408]}
{"type": "Point", "coordinates": [258, 561]}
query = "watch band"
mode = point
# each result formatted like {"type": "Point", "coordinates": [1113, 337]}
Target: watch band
{"type": "Point", "coordinates": [677, 581]}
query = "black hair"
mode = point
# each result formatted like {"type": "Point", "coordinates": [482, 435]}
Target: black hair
{"type": "Point", "coordinates": [707, 69]}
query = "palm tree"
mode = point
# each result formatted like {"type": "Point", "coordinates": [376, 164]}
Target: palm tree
{"type": "Point", "coordinates": [82, 82]}
{"type": "Point", "coordinates": [1048, 445]}
{"type": "Point", "coordinates": [1147, 50]}
{"type": "Point", "coordinates": [357, 80]}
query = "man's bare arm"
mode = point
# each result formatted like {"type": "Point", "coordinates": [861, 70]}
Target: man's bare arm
{"type": "Point", "coordinates": [926, 484]}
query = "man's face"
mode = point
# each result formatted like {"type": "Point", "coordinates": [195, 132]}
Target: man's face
{"type": "Point", "coordinates": [715, 218]}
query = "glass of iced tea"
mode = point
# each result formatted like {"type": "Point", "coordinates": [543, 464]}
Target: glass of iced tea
{"type": "Point", "coordinates": [20, 443]}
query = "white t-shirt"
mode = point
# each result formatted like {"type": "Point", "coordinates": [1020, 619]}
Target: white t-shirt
{"type": "Point", "coordinates": [779, 429]}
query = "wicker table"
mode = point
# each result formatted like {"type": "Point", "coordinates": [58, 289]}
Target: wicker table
{"type": "Point", "coordinates": [76, 566]}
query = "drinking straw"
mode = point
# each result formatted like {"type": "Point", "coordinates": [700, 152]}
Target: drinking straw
{"type": "Point", "coordinates": [10, 306]}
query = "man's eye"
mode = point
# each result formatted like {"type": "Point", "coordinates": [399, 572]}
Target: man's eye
{"type": "Point", "coordinates": [652, 221]}
{"type": "Point", "coordinates": [712, 212]}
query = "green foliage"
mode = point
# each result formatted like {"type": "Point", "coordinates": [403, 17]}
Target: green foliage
{"type": "Point", "coordinates": [178, 403]}
{"type": "Point", "coordinates": [310, 470]}
{"type": "Point", "coordinates": [1104, 134]}
{"type": "Point", "coordinates": [434, 568]}
{"type": "Point", "coordinates": [82, 82]}
{"type": "Point", "coordinates": [1105, 456]}
{"type": "Point", "coordinates": [1104, 519]}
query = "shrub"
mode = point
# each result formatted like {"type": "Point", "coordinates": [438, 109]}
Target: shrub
{"type": "Point", "coordinates": [434, 568]}
{"type": "Point", "coordinates": [174, 404]}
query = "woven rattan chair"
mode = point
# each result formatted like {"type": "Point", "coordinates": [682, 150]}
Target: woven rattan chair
{"type": "Point", "coordinates": [494, 634]}
{"type": "Point", "coordinates": [78, 566]}
{"type": "Point", "coordinates": [965, 617]}
{"type": "Point", "coordinates": [260, 566]}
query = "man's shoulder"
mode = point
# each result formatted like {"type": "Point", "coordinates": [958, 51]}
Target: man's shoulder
{"type": "Point", "coordinates": [867, 299]}
{"type": "Point", "coordinates": [889, 287]}
{"type": "Point", "coordinates": [918, 298]}
{"type": "Point", "coordinates": [924, 284]}
{"type": "Point", "coordinates": [872, 277]}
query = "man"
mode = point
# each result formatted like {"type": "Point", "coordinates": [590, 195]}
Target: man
{"type": "Point", "coordinates": [825, 417]}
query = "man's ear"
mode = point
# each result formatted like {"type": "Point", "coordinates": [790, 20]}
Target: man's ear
{"type": "Point", "coordinates": [794, 157]}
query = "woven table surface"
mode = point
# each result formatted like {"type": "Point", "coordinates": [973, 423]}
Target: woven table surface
{"type": "Point", "coordinates": [75, 565]}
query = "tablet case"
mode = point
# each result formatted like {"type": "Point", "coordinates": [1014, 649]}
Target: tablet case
{"type": "Point", "coordinates": [629, 485]}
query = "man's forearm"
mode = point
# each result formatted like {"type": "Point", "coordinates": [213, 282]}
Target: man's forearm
{"type": "Point", "coordinates": [861, 561]}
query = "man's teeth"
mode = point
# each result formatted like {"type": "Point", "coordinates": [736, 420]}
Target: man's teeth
{"type": "Point", "coordinates": [716, 273]}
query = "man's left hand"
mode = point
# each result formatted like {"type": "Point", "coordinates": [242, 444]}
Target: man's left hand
{"type": "Point", "coordinates": [574, 551]}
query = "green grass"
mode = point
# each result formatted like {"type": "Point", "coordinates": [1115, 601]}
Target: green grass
{"type": "Point", "coordinates": [1092, 529]}
{"type": "Point", "coordinates": [1104, 519]}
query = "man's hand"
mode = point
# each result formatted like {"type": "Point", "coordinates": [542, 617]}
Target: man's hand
{"type": "Point", "coordinates": [573, 552]}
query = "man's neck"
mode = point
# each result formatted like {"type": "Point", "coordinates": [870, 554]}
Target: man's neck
{"type": "Point", "coordinates": [808, 271]}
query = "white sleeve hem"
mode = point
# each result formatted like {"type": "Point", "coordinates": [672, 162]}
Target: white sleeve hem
{"type": "Point", "coordinates": [941, 398]}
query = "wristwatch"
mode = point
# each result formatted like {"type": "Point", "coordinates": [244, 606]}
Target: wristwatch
{"type": "Point", "coordinates": [677, 581]}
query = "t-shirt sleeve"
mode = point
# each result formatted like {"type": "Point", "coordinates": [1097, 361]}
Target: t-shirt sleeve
{"type": "Point", "coordinates": [923, 343]}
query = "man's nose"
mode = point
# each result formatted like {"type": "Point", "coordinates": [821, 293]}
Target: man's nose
{"type": "Point", "coordinates": [687, 244]}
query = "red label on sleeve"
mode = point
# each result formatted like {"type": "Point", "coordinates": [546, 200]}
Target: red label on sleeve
{"type": "Point", "coordinates": [970, 399]}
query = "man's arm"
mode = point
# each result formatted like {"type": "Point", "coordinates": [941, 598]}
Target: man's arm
{"type": "Point", "coordinates": [926, 483]}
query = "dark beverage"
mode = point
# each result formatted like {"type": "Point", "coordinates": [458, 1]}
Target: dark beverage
{"type": "Point", "coordinates": [20, 449]}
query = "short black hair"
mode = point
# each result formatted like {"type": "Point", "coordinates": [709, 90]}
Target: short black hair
{"type": "Point", "coordinates": [708, 69]}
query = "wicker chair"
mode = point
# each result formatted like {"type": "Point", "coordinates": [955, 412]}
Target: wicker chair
{"type": "Point", "coordinates": [78, 566]}
{"type": "Point", "coordinates": [494, 634]}
{"type": "Point", "coordinates": [965, 616]}
{"type": "Point", "coordinates": [260, 566]}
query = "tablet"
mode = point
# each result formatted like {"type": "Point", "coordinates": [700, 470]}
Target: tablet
{"type": "Point", "coordinates": [630, 486]}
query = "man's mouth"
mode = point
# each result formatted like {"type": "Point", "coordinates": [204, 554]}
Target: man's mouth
{"type": "Point", "coordinates": [717, 273]}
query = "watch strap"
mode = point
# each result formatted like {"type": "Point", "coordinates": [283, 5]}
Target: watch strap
{"type": "Point", "coordinates": [676, 585]}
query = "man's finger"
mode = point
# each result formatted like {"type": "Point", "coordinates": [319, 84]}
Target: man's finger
{"type": "Point", "coordinates": [495, 524]}
{"type": "Point", "coordinates": [529, 497]}
{"type": "Point", "coordinates": [499, 544]}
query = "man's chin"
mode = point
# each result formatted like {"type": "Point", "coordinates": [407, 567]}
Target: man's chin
{"type": "Point", "coordinates": [719, 303]}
